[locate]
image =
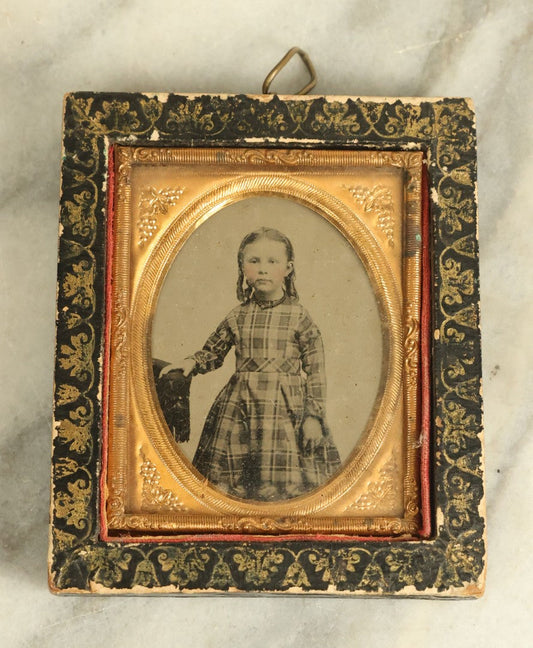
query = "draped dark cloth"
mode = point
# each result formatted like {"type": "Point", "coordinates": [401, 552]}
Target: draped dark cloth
{"type": "Point", "coordinates": [173, 391]}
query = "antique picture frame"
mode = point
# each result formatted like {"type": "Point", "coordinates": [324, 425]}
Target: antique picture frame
{"type": "Point", "coordinates": [143, 175]}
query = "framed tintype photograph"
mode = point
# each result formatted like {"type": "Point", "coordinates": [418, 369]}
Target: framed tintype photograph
{"type": "Point", "coordinates": [268, 354]}
{"type": "Point", "coordinates": [220, 250]}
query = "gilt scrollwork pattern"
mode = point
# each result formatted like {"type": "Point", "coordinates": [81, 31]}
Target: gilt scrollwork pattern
{"type": "Point", "coordinates": [377, 201]}
{"type": "Point", "coordinates": [412, 334]}
{"type": "Point", "coordinates": [154, 202]}
{"type": "Point", "coordinates": [451, 562]}
{"type": "Point", "coordinates": [381, 492]}
{"type": "Point", "coordinates": [153, 494]}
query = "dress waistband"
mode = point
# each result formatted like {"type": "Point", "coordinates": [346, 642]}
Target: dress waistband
{"type": "Point", "coordinates": [273, 365]}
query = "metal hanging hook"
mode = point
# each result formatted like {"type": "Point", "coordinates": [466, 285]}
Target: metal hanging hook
{"type": "Point", "coordinates": [279, 66]}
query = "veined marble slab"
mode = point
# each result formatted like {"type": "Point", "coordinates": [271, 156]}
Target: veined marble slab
{"type": "Point", "coordinates": [452, 48]}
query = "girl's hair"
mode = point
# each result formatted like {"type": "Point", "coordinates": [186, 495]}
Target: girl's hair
{"type": "Point", "coordinates": [244, 292]}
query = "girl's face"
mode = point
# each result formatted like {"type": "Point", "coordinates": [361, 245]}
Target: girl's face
{"type": "Point", "coordinates": [265, 266]}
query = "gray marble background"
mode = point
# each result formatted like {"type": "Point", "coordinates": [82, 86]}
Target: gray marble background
{"type": "Point", "coordinates": [477, 48]}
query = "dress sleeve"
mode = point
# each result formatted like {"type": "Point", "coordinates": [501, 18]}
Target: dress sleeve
{"type": "Point", "coordinates": [313, 364]}
{"type": "Point", "coordinates": [214, 350]}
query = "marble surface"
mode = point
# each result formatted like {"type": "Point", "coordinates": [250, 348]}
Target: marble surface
{"type": "Point", "coordinates": [478, 48]}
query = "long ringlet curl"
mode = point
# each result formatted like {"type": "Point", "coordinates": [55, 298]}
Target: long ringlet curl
{"type": "Point", "coordinates": [245, 292]}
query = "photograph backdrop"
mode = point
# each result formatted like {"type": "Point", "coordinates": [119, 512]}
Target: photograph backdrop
{"type": "Point", "coordinates": [200, 290]}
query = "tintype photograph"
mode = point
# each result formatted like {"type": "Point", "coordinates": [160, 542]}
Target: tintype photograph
{"type": "Point", "coordinates": [268, 309]}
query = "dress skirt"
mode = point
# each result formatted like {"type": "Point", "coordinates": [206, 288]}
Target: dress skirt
{"type": "Point", "coordinates": [251, 445]}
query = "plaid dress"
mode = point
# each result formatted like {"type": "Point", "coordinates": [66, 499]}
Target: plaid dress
{"type": "Point", "coordinates": [251, 443]}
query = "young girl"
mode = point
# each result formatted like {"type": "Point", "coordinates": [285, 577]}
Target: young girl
{"type": "Point", "coordinates": [265, 437]}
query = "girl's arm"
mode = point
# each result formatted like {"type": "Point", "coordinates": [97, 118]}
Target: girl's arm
{"type": "Point", "coordinates": [210, 357]}
{"type": "Point", "coordinates": [214, 350]}
{"type": "Point", "coordinates": [313, 364]}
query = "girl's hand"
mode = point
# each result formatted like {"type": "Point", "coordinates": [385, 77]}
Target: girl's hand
{"type": "Point", "coordinates": [311, 434]}
{"type": "Point", "coordinates": [186, 365]}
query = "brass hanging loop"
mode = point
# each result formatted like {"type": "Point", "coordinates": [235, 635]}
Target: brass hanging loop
{"type": "Point", "coordinates": [279, 66]}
